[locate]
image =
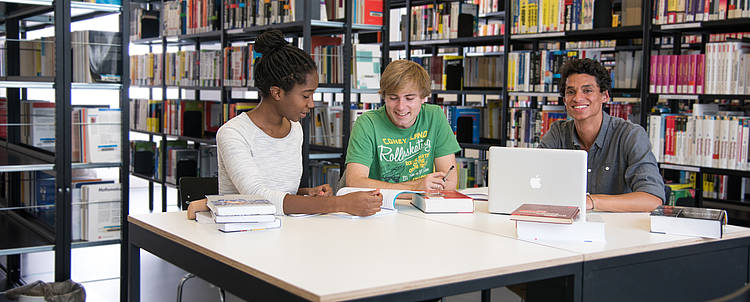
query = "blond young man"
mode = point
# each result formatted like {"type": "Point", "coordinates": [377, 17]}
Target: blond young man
{"type": "Point", "coordinates": [405, 144]}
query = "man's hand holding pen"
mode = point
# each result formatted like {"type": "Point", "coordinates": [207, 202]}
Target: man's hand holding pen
{"type": "Point", "coordinates": [434, 181]}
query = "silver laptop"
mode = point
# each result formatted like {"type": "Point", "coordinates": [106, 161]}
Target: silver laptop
{"type": "Point", "coordinates": [541, 176]}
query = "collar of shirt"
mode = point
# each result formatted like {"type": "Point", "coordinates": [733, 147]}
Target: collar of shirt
{"type": "Point", "coordinates": [600, 138]}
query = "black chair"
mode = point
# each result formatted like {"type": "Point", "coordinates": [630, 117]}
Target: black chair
{"type": "Point", "coordinates": [194, 188]}
{"type": "Point", "coordinates": [190, 189]}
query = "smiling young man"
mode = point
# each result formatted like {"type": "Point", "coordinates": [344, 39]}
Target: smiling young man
{"type": "Point", "coordinates": [622, 172]}
{"type": "Point", "coordinates": [405, 144]}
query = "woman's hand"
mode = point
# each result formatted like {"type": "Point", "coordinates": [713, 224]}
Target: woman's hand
{"type": "Point", "coordinates": [198, 205]}
{"type": "Point", "coordinates": [363, 203]}
{"type": "Point", "coordinates": [322, 190]}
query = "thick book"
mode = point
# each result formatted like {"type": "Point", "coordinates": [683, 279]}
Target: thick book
{"type": "Point", "coordinates": [236, 204]}
{"type": "Point", "coordinates": [242, 218]}
{"type": "Point", "coordinates": [443, 201]}
{"type": "Point", "coordinates": [255, 226]}
{"type": "Point", "coordinates": [591, 229]}
{"type": "Point", "coordinates": [545, 213]}
{"type": "Point", "coordinates": [689, 221]}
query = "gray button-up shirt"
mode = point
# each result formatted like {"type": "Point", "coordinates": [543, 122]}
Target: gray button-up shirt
{"type": "Point", "coordinates": [620, 160]}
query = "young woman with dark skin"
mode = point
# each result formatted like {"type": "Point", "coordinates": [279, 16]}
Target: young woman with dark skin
{"type": "Point", "coordinates": [260, 152]}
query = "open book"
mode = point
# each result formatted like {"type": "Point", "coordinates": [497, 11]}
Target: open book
{"type": "Point", "coordinates": [389, 195]}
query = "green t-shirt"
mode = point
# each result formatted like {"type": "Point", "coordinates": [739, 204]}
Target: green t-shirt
{"type": "Point", "coordinates": [397, 155]}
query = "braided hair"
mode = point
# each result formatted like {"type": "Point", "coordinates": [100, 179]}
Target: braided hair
{"type": "Point", "coordinates": [282, 64]}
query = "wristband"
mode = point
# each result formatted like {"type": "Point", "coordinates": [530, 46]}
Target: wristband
{"type": "Point", "coordinates": [593, 206]}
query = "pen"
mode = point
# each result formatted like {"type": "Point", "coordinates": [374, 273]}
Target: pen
{"type": "Point", "coordinates": [449, 171]}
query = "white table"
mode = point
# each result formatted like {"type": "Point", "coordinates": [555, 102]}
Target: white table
{"type": "Point", "coordinates": [329, 258]}
{"type": "Point", "coordinates": [634, 264]}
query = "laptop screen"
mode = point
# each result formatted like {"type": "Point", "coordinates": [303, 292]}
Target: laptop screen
{"type": "Point", "coordinates": [541, 176]}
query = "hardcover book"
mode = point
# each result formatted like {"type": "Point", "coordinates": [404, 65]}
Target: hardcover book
{"type": "Point", "coordinates": [443, 201]}
{"type": "Point", "coordinates": [254, 226]}
{"type": "Point", "coordinates": [689, 221]}
{"type": "Point", "coordinates": [242, 218]}
{"type": "Point", "coordinates": [236, 204]}
{"type": "Point", "coordinates": [545, 213]}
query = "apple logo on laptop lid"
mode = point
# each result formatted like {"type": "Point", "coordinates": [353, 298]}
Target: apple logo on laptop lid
{"type": "Point", "coordinates": [535, 182]}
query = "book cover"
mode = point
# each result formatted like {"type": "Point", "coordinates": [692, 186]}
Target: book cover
{"type": "Point", "coordinates": [545, 213]}
{"type": "Point", "coordinates": [100, 211]}
{"type": "Point", "coordinates": [688, 221]}
{"type": "Point", "coordinates": [443, 201]}
{"type": "Point", "coordinates": [243, 227]}
{"type": "Point", "coordinates": [236, 204]}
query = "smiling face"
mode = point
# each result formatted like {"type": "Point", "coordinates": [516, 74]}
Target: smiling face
{"type": "Point", "coordinates": [297, 102]}
{"type": "Point", "coordinates": [583, 98]}
{"type": "Point", "coordinates": [403, 105]}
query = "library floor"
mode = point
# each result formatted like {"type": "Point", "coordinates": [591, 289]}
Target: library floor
{"type": "Point", "coordinates": [98, 268]}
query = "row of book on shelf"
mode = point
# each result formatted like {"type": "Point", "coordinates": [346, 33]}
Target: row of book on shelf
{"type": "Point", "coordinates": [234, 65]}
{"type": "Point", "coordinates": [723, 69]}
{"type": "Point", "coordinates": [682, 11]}
{"type": "Point", "coordinates": [196, 119]}
{"type": "Point", "coordinates": [540, 16]}
{"type": "Point", "coordinates": [666, 42]}
{"type": "Point", "coordinates": [183, 68]}
{"type": "Point", "coordinates": [95, 204]}
{"type": "Point", "coordinates": [184, 17]}
{"type": "Point", "coordinates": [446, 21]}
{"type": "Point", "coordinates": [91, 132]}
{"type": "Point", "coordinates": [95, 54]}
{"type": "Point", "coordinates": [450, 72]}
{"type": "Point", "coordinates": [530, 71]}
{"type": "Point", "coordinates": [710, 140]}
{"type": "Point", "coordinates": [714, 186]}
{"type": "Point", "coordinates": [182, 160]}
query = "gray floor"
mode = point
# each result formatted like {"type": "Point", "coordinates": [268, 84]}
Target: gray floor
{"type": "Point", "coordinates": [98, 268]}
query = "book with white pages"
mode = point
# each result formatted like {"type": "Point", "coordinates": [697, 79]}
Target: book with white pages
{"type": "Point", "coordinates": [249, 226]}
{"type": "Point", "coordinates": [237, 204]}
{"type": "Point", "coordinates": [242, 218]}
{"type": "Point", "coordinates": [389, 195]}
{"type": "Point", "coordinates": [591, 229]}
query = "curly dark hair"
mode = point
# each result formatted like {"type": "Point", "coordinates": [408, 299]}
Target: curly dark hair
{"type": "Point", "coordinates": [585, 66]}
{"type": "Point", "coordinates": [281, 64]}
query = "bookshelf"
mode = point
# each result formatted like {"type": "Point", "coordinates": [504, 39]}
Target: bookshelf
{"type": "Point", "coordinates": [233, 33]}
{"type": "Point", "coordinates": [26, 226]}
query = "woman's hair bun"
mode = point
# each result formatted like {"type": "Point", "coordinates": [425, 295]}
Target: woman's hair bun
{"type": "Point", "coordinates": [270, 41]}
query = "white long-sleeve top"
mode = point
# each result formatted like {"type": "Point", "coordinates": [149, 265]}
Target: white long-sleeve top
{"type": "Point", "coordinates": [252, 162]}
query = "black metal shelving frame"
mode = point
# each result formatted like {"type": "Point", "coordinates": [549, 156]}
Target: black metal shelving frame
{"type": "Point", "coordinates": [16, 157]}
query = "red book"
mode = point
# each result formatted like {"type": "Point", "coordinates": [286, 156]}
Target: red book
{"type": "Point", "coordinates": [443, 201]}
{"type": "Point", "coordinates": [700, 74]}
{"type": "Point", "coordinates": [652, 74]}
{"type": "Point", "coordinates": [545, 213]}
{"type": "Point", "coordinates": [373, 12]}
{"type": "Point", "coordinates": [672, 74]}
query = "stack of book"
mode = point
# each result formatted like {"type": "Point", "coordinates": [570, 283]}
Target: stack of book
{"type": "Point", "coordinates": [556, 223]}
{"type": "Point", "coordinates": [237, 213]}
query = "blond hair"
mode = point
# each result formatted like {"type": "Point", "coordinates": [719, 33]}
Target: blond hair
{"type": "Point", "coordinates": [400, 73]}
